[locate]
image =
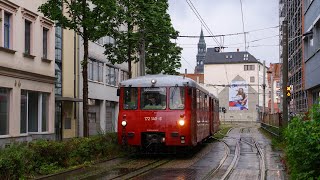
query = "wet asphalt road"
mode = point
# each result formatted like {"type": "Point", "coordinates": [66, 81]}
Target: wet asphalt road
{"type": "Point", "coordinates": [248, 165]}
{"type": "Point", "coordinates": [218, 160]}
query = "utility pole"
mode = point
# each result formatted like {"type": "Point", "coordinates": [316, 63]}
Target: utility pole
{"type": "Point", "coordinates": [272, 101]}
{"type": "Point", "coordinates": [284, 73]}
{"type": "Point", "coordinates": [142, 57]}
{"type": "Point", "coordinates": [264, 88]}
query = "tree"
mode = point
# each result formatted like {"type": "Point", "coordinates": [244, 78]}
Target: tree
{"type": "Point", "coordinates": [91, 20]}
{"type": "Point", "coordinates": [148, 24]}
{"type": "Point", "coordinates": [163, 55]}
{"type": "Point", "coordinates": [126, 41]}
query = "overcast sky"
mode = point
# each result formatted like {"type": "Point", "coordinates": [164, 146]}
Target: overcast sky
{"type": "Point", "coordinates": [224, 17]}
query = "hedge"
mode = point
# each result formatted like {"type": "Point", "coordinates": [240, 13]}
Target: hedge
{"type": "Point", "coordinates": [45, 157]}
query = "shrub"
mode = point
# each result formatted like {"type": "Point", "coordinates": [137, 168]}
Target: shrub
{"type": "Point", "coordinates": [45, 157]}
{"type": "Point", "coordinates": [303, 145]}
{"type": "Point", "coordinates": [48, 154]}
{"type": "Point", "coordinates": [15, 162]}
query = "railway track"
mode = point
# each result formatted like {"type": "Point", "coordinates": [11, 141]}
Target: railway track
{"type": "Point", "coordinates": [228, 164]}
{"type": "Point", "coordinates": [128, 170]}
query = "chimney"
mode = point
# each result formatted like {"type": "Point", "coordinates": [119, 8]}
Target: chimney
{"type": "Point", "coordinates": [238, 50]}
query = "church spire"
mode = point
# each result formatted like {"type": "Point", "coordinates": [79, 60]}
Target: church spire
{"type": "Point", "coordinates": [202, 49]}
{"type": "Point", "coordinates": [201, 36]}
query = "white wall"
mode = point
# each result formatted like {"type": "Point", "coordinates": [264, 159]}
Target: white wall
{"type": "Point", "coordinates": [99, 90]}
{"type": "Point", "coordinates": [223, 74]}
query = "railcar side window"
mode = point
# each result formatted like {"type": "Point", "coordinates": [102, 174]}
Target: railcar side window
{"type": "Point", "coordinates": [130, 98]}
{"type": "Point", "coordinates": [153, 98]}
{"type": "Point", "coordinates": [176, 98]}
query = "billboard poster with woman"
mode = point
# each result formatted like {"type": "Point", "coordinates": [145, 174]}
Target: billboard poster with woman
{"type": "Point", "coordinates": [238, 95]}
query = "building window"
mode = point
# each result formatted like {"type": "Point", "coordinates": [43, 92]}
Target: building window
{"type": "Point", "coordinates": [249, 67]}
{"type": "Point", "coordinates": [311, 41]}
{"type": "Point", "coordinates": [7, 30]}
{"type": "Point", "coordinates": [245, 57]}
{"type": "Point", "coordinates": [37, 111]}
{"type": "Point", "coordinates": [90, 70]}
{"type": "Point", "coordinates": [230, 56]}
{"type": "Point", "coordinates": [58, 44]}
{"type": "Point", "coordinates": [124, 76]}
{"type": "Point", "coordinates": [278, 84]}
{"type": "Point", "coordinates": [227, 56]}
{"type": "Point", "coordinates": [58, 60]}
{"type": "Point", "coordinates": [33, 111]}
{"type": "Point", "coordinates": [4, 110]}
{"type": "Point", "coordinates": [92, 117]}
{"type": "Point", "coordinates": [24, 112]}
{"type": "Point", "coordinates": [95, 71]}
{"type": "Point", "coordinates": [112, 75]}
{"type": "Point", "coordinates": [27, 37]}
{"type": "Point", "coordinates": [45, 43]}
{"type": "Point", "coordinates": [58, 83]}
{"type": "Point", "coordinates": [105, 40]}
{"type": "Point", "coordinates": [67, 123]}
{"type": "Point", "coordinates": [278, 93]}
{"type": "Point", "coordinates": [252, 79]}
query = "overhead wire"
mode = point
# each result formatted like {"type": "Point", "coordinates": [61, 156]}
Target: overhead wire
{"type": "Point", "coordinates": [195, 11]}
{"type": "Point", "coordinates": [232, 34]}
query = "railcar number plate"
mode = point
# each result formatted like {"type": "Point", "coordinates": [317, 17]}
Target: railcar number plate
{"type": "Point", "coordinates": [153, 118]}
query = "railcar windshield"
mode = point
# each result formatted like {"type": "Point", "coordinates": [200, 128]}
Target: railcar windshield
{"type": "Point", "coordinates": [153, 98]}
{"type": "Point", "coordinates": [130, 100]}
{"type": "Point", "coordinates": [176, 98]}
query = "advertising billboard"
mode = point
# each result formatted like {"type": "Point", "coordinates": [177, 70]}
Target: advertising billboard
{"type": "Point", "coordinates": [238, 95]}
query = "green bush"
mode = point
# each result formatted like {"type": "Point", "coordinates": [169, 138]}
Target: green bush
{"type": "Point", "coordinates": [15, 162]}
{"type": "Point", "coordinates": [303, 145]}
{"type": "Point", "coordinates": [46, 157]}
{"type": "Point", "coordinates": [48, 154]}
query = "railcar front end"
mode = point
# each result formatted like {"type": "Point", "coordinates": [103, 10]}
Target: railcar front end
{"type": "Point", "coordinates": [154, 116]}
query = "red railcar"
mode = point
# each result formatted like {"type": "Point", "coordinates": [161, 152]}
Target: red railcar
{"type": "Point", "coordinates": [165, 110]}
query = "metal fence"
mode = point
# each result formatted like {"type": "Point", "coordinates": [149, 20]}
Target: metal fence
{"type": "Point", "coordinates": [271, 123]}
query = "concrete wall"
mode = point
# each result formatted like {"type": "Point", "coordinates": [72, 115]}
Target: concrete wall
{"type": "Point", "coordinates": [100, 91]}
{"type": "Point", "coordinates": [312, 49]}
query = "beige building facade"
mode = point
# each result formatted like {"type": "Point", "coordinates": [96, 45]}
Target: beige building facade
{"type": "Point", "coordinates": [26, 72]}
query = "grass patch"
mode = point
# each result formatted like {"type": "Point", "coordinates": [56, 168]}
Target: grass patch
{"type": "Point", "coordinates": [222, 132]}
{"type": "Point", "coordinates": [277, 143]}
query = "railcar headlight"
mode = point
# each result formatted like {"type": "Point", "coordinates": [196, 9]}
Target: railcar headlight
{"type": "Point", "coordinates": [181, 122]}
{"type": "Point", "coordinates": [124, 123]}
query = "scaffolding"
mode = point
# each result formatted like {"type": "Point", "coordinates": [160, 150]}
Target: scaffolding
{"type": "Point", "coordinates": [291, 10]}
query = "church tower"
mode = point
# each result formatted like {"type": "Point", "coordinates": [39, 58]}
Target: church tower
{"type": "Point", "coordinates": [202, 49]}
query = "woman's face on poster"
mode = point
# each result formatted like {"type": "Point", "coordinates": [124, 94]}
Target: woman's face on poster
{"type": "Point", "coordinates": [240, 90]}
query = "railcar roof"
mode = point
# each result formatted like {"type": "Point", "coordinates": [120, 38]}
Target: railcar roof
{"type": "Point", "coordinates": [162, 81]}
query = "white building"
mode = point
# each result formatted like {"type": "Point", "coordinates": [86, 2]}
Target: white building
{"type": "Point", "coordinates": [103, 83]}
{"type": "Point", "coordinates": [227, 75]}
{"type": "Point", "coordinates": [26, 72]}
